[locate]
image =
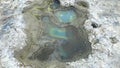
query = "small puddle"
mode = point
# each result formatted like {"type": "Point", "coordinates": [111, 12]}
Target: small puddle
{"type": "Point", "coordinates": [55, 35]}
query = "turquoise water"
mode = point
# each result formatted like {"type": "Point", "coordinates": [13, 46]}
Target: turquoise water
{"type": "Point", "coordinates": [53, 30]}
{"type": "Point", "coordinates": [58, 33]}
{"type": "Point", "coordinates": [66, 16]}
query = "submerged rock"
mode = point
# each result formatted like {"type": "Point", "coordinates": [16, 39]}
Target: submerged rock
{"type": "Point", "coordinates": [42, 53]}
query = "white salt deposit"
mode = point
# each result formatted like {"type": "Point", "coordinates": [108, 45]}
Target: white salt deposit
{"type": "Point", "coordinates": [12, 36]}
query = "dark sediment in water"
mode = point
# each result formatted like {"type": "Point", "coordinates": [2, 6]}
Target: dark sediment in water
{"type": "Point", "coordinates": [75, 45]}
{"type": "Point", "coordinates": [42, 54]}
{"type": "Point", "coordinates": [55, 4]}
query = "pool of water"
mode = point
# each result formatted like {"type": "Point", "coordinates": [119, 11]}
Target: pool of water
{"type": "Point", "coordinates": [66, 16]}
{"type": "Point", "coordinates": [55, 36]}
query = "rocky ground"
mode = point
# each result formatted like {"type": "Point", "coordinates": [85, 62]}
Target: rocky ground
{"type": "Point", "coordinates": [103, 25]}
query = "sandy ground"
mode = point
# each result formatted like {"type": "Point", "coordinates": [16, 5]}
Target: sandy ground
{"type": "Point", "coordinates": [106, 49]}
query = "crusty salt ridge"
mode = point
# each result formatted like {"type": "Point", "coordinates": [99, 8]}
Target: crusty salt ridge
{"type": "Point", "coordinates": [105, 53]}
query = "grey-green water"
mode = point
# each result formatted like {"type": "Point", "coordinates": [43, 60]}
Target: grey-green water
{"type": "Point", "coordinates": [54, 34]}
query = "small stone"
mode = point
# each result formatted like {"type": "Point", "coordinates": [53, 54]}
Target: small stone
{"type": "Point", "coordinates": [84, 4]}
{"type": "Point", "coordinates": [114, 40]}
{"type": "Point", "coordinates": [94, 25]}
